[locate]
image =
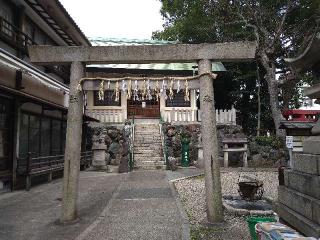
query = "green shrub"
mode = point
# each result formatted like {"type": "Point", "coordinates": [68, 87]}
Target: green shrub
{"type": "Point", "coordinates": [271, 141]}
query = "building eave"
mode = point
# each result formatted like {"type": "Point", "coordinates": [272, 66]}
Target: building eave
{"type": "Point", "coordinates": [55, 15]}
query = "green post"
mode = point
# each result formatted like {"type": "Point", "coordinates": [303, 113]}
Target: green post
{"type": "Point", "coordinates": [185, 160]}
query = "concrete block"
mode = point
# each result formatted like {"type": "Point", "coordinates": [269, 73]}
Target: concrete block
{"type": "Point", "coordinates": [316, 211]}
{"type": "Point", "coordinates": [298, 202]}
{"type": "Point", "coordinates": [302, 224]}
{"type": "Point", "coordinates": [305, 183]}
{"type": "Point", "coordinates": [307, 163]}
{"type": "Point", "coordinates": [311, 145]}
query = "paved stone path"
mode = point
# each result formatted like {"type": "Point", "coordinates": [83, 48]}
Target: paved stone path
{"type": "Point", "coordinates": [145, 206]}
{"type": "Point", "coordinates": [34, 214]}
{"type": "Point", "coordinates": [138, 205]}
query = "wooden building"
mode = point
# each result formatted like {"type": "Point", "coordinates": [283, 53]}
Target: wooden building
{"type": "Point", "coordinates": [33, 99]}
{"type": "Point", "coordinates": [175, 109]}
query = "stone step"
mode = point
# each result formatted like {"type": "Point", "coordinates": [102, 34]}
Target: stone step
{"type": "Point", "coordinates": [150, 167]}
{"type": "Point", "coordinates": [147, 130]}
{"type": "Point", "coordinates": [147, 133]}
{"type": "Point", "coordinates": [154, 153]}
{"type": "Point", "coordinates": [147, 159]}
{"type": "Point", "coordinates": [141, 137]}
{"type": "Point", "coordinates": [147, 143]}
{"type": "Point", "coordinates": [149, 162]}
{"type": "Point", "coordinates": [147, 146]}
{"type": "Point", "coordinates": [142, 130]}
{"type": "Point", "coordinates": [147, 151]}
{"type": "Point", "coordinates": [147, 125]}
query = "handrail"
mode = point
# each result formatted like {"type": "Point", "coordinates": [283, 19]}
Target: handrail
{"type": "Point", "coordinates": [131, 159]}
{"type": "Point", "coordinates": [15, 34]}
{"type": "Point", "coordinates": [29, 163]}
{"type": "Point", "coordinates": [164, 146]}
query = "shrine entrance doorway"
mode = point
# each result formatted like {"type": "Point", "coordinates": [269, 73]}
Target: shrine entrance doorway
{"type": "Point", "coordinates": [143, 108]}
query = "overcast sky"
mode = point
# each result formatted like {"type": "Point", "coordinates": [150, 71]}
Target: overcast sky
{"type": "Point", "coordinates": [116, 18]}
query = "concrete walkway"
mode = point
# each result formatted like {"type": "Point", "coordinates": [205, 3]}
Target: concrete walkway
{"type": "Point", "coordinates": [145, 206]}
{"type": "Point", "coordinates": [138, 205]}
{"type": "Point", "coordinates": [34, 214]}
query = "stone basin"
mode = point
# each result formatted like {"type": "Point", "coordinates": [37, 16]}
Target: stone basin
{"type": "Point", "coordinates": [238, 206]}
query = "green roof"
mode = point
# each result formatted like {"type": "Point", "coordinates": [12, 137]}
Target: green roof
{"type": "Point", "coordinates": [100, 41]}
{"type": "Point", "coordinates": [216, 66]}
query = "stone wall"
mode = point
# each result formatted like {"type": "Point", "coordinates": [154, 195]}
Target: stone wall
{"type": "Point", "coordinates": [174, 133]}
{"type": "Point", "coordinates": [299, 197]}
{"type": "Point", "coordinates": [117, 138]}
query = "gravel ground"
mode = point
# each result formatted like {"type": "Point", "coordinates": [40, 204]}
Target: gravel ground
{"type": "Point", "coordinates": [191, 192]}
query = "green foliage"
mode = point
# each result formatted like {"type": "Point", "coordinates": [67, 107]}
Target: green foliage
{"type": "Point", "coordinates": [272, 141]}
{"type": "Point", "coordinates": [184, 134]}
{"type": "Point", "coordinates": [280, 27]}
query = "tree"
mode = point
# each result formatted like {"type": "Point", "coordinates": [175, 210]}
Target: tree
{"type": "Point", "coordinates": [280, 28]}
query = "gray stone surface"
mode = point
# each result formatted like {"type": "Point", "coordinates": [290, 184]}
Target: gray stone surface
{"type": "Point", "coordinates": [112, 169]}
{"type": "Point", "coordinates": [298, 202]}
{"type": "Point", "coordinates": [316, 211]}
{"type": "Point", "coordinates": [144, 207]}
{"type": "Point", "coordinates": [286, 178]}
{"type": "Point", "coordinates": [144, 54]}
{"type": "Point", "coordinates": [33, 215]}
{"type": "Point", "coordinates": [298, 221]}
{"type": "Point", "coordinates": [184, 173]}
{"type": "Point", "coordinates": [304, 183]}
{"type": "Point", "coordinates": [144, 193]}
{"type": "Point", "coordinates": [99, 157]}
{"type": "Point", "coordinates": [311, 145]}
{"type": "Point", "coordinates": [307, 163]}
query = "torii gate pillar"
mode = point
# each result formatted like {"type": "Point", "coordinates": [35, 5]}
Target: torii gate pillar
{"type": "Point", "coordinates": [210, 145]}
{"type": "Point", "coordinates": [73, 146]}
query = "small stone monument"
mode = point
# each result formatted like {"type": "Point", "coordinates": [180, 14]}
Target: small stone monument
{"type": "Point", "coordinates": [99, 151]}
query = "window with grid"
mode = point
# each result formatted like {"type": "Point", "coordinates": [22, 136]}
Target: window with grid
{"type": "Point", "coordinates": [109, 96]}
{"type": "Point", "coordinates": [177, 100]}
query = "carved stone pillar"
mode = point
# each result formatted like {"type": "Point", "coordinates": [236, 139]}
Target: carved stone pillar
{"type": "Point", "coordinates": [73, 146]}
{"type": "Point", "coordinates": [210, 145]}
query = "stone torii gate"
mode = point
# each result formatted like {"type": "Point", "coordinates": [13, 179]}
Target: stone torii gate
{"type": "Point", "coordinates": [201, 53]}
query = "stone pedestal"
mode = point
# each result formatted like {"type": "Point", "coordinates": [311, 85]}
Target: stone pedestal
{"type": "Point", "coordinates": [112, 169]}
{"type": "Point", "coordinates": [99, 157]}
{"type": "Point", "coordinates": [299, 198]}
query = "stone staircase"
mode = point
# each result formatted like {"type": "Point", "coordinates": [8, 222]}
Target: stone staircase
{"type": "Point", "coordinates": [147, 151]}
